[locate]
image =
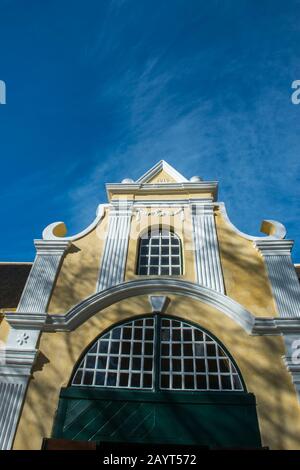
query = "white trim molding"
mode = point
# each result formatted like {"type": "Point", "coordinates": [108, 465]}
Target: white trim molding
{"type": "Point", "coordinates": [262, 326]}
{"type": "Point", "coordinates": [113, 261]}
{"type": "Point", "coordinates": [58, 230]}
{"type": "Point", "coordinates": [208, 263]}
{"type": "Point", "coordinates": [282, 275]}
{"type": "Point", "coordinates": [273, 229]}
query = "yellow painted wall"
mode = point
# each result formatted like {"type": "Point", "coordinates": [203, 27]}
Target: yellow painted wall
{"type": "Point", "coordinates": [79, 273]}
{"type": "Point", "coordinates": [259, 359]}
{"type": "Point", "coordinates": [4, 328]}
{"type": "Point", "coordinates": [244, 271]}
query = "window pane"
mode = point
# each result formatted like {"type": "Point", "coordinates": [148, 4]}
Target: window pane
{"type": "Point", "coordinates": [100, 378]}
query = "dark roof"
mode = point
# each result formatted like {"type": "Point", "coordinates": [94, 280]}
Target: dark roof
{"type": "Point", "coordinates": [12, 281]}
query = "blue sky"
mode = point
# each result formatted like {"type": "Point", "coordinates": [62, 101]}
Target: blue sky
{"type": "Point", "coordinates": [101, 90]}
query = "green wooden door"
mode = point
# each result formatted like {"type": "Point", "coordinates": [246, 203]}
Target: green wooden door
{"type": "Point", "coordinates": [213, 419]}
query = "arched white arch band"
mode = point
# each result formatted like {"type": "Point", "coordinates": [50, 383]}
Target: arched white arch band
{"type": "Point", "coordinates": [87, 308]}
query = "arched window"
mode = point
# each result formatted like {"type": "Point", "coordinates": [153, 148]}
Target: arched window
{"type": "Point", "coordinates": [158, 353]}
{"type": "Point", "coordinates": [160, 254]}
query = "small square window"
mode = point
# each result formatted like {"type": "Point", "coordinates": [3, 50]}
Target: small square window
{"type": "Point", "coordinates": [147, 381]}
{"type": "Point", "coordinates": [226, 382]}
{"type": "Point", "coordinates": [211, 350]}
{"type": "Point", "coordinates": [164, 381]}
{"type": "Point", "coordinates": [176, 349]}
{"type": "Point", "coordinates": [176, 335]}
{"type": "Point", "coordinates": [176, 365]}
{"type": "Point", "coordinates": [236, 382]}
{"type": "Point", "coordinates": [189, 382]}
{"type": "Point", "coordinates": [175, 271]}
{"type": "Point", "coordinates": [147, 364]}
{"type": "Point", "coordinates": [124, 363]}
{"type": "Point", "coordinates": [127, 332]}
{"type": "Point", "coordinates": [101, 363]}
{"type": "Point", "coordinates": [113, 362]}
{"type": "Point", "coordinates": [135, 380]}
{"type": "Point", "coordinates": [188, 365]}
{"type": "Point", "coordinates": [88, 378]}
{"type": "Point", "coordinates": [126, 347]}
{"type": "Point", "coordinates": [138, 333]}
{"type": "Point", "coordinates": [212, 365]}
{"type": "Point", "coordinates": [111, 379]}
{"type": "Point", "coordinates": [136, 363]}
{"type": "Point", "coordinates": [153, 270]}
{"type": "Point", "coordinates": [165, 365]}
{"type": "Point", "coordinates": [213, 382]}
{"type": "Point", "coordinates": [90, 362]}
{"type": "Point", "coordinates": [143, 270]}
{"type": "Point", "coordinates": [103, 346]}
{"type": "Point", "coordinates": [114, 347]}
{"type": "Point", "coordinates": [165, 271]}
{"type": "Point", "coordinates": [137, 348]}
{"type": "Point", "coordinates": [188, 349]}
{"type": "Point", "coordinates": [148, 349]}
{"type": "Point", "coordinates": [201, 382]}
{"type": "Point", "coordinates": [100, 377]}
{"type": "Point", "coordinates": [200, 365]}
{"type": "Point", "coordinates": [77, 378]}
{"type": "Point", "coordinates": [149, 334]}
{"type": "Point", "coordinates": [123, 380]}
{"type": "Point", "coordinates": [177, 381]}
{"type": "Point", "coordinates": [116, 333]}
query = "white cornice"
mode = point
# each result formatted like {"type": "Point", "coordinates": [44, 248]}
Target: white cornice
{"type": "Point", "coordinates": [274, 247]}
{"type": "Point", "coordinates": [57, 230]}
{"type": "Point", "coordinates": [162, 188]}
{"type": "Point", "coordinates": [277, 229]}
{"type": "Point", "coordinates": [26, 320]}
{"type": "Point", "coordinates": [51, 247]}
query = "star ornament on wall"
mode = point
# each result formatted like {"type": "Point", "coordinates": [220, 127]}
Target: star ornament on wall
{"type": "Point", "coordinates": [22, 339]}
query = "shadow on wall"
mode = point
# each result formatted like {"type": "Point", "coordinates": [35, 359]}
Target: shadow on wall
{"type": "Point", "coordinates": [270, 390]}
{"type": "Point", "coordinates": [248, 280]}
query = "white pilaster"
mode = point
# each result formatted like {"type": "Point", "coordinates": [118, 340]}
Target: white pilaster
{"type": "Point", "coordinates": [282, 275]}
{"type": "Point", "coordinates": [208, 264]}
{"type": "Point", "coordinates": [112, 269]}
{"type": "Point", "coordinates": [18, 356]}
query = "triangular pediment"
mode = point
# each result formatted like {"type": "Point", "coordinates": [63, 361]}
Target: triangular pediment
{"type": "Point", "coordinates": [161, 173]}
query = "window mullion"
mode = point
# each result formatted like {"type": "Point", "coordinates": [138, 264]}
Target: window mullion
{"type": "Point", "coordinates": [156, 352]}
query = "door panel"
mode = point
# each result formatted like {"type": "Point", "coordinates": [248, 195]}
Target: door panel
{"type": "Point", "coordinates": [214, 419]}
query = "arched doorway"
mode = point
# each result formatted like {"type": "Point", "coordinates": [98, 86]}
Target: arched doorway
{"type": "Point", "coordinates": [158, 379]}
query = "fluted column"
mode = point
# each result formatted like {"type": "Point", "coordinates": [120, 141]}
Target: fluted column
{"type": "Point", "coordinates": [282, 275]}
{"type": "Point", "coordinates": [208, 264]}
{"type": "Point", "coordinates": [18, 356]}
{"type": "Point", "coordinates": [112, 269]}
